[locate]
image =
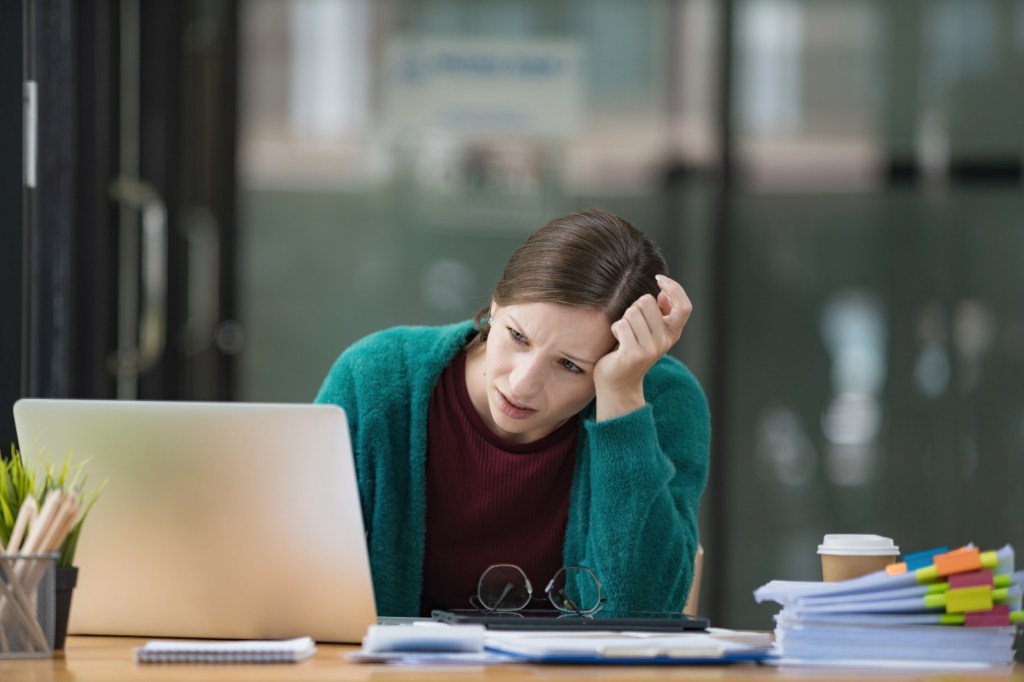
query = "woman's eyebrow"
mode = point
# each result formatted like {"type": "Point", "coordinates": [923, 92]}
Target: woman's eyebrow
{"type": "Point", "coordinates": [578, 361]}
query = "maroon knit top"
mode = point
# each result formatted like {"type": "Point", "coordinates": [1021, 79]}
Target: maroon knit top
{"type": "Point", "coordinates": [489, 500]}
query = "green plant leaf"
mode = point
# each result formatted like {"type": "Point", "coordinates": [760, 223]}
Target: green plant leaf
{"type": "Point", "coordinates": [18, 481]}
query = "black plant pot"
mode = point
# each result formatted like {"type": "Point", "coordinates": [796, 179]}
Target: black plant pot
{"type": "Point", "coordinates": [66, 579]}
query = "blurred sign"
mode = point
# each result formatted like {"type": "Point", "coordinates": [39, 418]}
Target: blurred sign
{"type": "Point", "coordinates": [496, 86]}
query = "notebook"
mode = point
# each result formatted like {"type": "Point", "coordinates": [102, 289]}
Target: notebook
{"type": "Point", "coordinates": [216, 520]}
{"type": "Point", "coordinates": [261, 651]}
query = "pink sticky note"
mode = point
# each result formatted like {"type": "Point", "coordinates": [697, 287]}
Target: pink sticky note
{"type": "Point", "coordinates": [972, 579]}
{"type": "Point", "coordinates": [996, 616]}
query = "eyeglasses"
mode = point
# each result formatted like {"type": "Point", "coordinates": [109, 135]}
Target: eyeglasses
{"type": "Point", "coordinates": [505, 589]}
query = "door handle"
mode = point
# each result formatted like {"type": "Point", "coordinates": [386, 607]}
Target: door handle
{"type": "Point", "coordinates": [202, 235]}
{"type": "Point", "coordinates": [128, 362]}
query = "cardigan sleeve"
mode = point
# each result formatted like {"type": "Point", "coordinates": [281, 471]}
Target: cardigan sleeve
{"type": "Point", "coordinates": [645, 474]}
{"type": "Point", "coordinates": [384, 382]}
{"type": "Point", "coordinates": [341, 387]}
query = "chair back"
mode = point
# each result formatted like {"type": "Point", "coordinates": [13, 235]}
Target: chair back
{"type": "Point", "coordinates": [694, 598]}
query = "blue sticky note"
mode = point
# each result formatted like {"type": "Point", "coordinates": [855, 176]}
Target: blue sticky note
{"type": "Point", "coordinates": [921, 559]}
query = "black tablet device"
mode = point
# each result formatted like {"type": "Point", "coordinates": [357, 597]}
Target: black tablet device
{"type": "Point", "coordinates": [542, 619]}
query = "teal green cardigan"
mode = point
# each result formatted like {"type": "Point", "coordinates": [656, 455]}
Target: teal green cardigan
{"type": "Point", "coordinates": [636, 487]}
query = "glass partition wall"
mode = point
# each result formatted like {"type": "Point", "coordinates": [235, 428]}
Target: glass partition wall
{"type": "Point", "coordinates": [393, 154]}
{"type": "Point", "coordinates": [877, 351]}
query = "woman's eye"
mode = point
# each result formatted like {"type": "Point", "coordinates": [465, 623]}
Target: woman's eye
{"type": "Point", "coordinates": [572, 367]}
{"type": "Point", "coordinates": [516, 336]}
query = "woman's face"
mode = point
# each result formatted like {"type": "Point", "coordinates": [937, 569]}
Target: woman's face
{"type": "Point", "coordinates": [538, 367]}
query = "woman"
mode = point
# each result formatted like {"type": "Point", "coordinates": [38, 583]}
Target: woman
{"type": "Point", "coordinates": [551, 430]}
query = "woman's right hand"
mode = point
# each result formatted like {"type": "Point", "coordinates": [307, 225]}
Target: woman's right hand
{"type": "Point", "coordinates": [646, 331]}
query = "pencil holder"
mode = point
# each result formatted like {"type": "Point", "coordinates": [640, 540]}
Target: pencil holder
{"type": "Point", "coordinates": [27, 613]}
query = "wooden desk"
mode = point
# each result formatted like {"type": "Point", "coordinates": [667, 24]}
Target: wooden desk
{"type": "Point", "coordinates": [109, 659]}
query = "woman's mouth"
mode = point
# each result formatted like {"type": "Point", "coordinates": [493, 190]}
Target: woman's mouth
{"type": "Point", "coordinates": [511, 409]}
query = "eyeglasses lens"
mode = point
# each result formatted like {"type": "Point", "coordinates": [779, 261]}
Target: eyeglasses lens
{"type": "Point", "coordinates": [575, 589]}
{"type": "Point", "coordinates": [504, 588]}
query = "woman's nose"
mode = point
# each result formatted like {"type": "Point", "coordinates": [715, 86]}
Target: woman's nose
{"type": "Point", "coordinates": [526, 378]}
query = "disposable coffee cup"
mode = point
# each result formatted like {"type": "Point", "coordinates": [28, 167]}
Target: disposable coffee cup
{"type": "Point", "coordinates": [849, 556]}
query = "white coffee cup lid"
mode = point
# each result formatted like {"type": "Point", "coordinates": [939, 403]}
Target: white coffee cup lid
{"type": "Point", "coordinates": [858, 545]}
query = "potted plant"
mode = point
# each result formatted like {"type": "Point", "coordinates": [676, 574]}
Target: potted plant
{"type": "Point", "coordinates": [20, 482]}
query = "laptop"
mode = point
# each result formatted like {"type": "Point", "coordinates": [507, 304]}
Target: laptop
{"type": "Point", "coordinates": [216, 520]}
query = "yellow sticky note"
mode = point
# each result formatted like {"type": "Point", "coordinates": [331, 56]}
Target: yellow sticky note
{"type": "Point", "coordinates": [978, 598]}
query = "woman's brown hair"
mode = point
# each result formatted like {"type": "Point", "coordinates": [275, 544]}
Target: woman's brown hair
{"type": "Point", "coordinates": [589, 259]}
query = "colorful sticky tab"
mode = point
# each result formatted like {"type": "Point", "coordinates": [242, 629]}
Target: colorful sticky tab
{"type": "Point", "coordinates": [995, 617]}
{"type": "Point", "coordinates": [926, 575]}
{"type": "Point", "coordinates": [972, 579]}
{"type": "Point", "coordinates": [921, 559]}
{"type": "Point", "coordinates": [969, 599]}
{"type": "Point", "coordinates": [981, 618]}
{"type": "Point", "coordinates": [959, 561]}
{"type": "Point", "coordinates": [896, 569]}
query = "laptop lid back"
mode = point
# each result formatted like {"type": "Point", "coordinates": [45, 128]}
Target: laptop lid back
{"type": "Point", "coordinates": [218, 520]}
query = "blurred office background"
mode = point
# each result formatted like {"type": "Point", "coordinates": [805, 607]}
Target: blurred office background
{"type": "Point", "coordinates": [230, 192]}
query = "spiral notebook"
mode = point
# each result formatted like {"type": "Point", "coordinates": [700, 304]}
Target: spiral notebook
{"type": "Point", "coordinates": [253, 651]}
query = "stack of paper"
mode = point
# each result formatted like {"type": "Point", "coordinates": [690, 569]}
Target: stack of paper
{"type": "Point", "coordinates": [425, 642]}
{"type": "Point", "coordinates": [716, 645]}
{"type": "Point", "coordinates": [439, 643]}
{"type": "Point", "coordinates": [936, 609]}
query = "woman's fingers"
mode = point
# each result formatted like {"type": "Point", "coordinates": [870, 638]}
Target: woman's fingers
{"type": "Point", "coordinates": [637, 317]}
{"type": "Point", "coordinates": [679, 304]}
{"type": "Point", "coordinates": [623, 332]}
{"type": "Point", "coordinates": [651, 325]}
{"type": "Point", "coordinates": [645, 332]}
{"type": "Point", "coordinates": [664, 303]}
